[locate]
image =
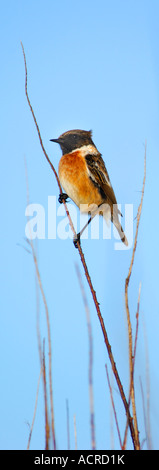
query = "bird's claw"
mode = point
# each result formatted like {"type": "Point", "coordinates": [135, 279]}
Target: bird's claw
{"type": "Point", "coordinates": [62, 197]}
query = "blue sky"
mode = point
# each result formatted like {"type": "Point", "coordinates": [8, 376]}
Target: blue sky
{"type": "Point", "coordinates": [91, 65]}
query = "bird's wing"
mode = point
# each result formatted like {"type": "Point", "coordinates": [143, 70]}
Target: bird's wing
{"type": "Point", "coordinates": [99, 175]}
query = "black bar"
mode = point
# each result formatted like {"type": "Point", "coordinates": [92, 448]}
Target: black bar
{"type": "Point", "coordinates": [83, 458]}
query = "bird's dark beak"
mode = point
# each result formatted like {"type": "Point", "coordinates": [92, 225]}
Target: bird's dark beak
{"type": "Point", "coordinates": [58, 141]}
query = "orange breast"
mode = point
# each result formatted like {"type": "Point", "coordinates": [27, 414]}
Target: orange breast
{"type": "Point", "coordinates": [74, 178]}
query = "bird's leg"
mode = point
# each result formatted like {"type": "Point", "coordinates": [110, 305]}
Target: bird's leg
{"type": "Point", "coordinates": [62, 197]}
{"type": "Point", "coordinates": [77, 238]}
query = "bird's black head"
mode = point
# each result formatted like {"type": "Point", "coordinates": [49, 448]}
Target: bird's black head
{"type": "Point", "coordinates": [74, 139]}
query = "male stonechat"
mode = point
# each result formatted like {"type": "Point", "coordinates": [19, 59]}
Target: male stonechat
{"type": "Point", "coordinates": [84, 177]}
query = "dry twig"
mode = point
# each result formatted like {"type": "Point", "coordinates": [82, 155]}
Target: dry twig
{"type": "Point", "coordinates": [148, 426]}
{"type": "Point", "coordinates": [113, 405]}
{"type": "Point", "coordinates": [131, 360]}
{"type": "Point", "coordinates": [91, 399]}
{"type": "Point", "coordinates": [134, 355]}
{"type": "Point", "coordinates": [48, 331]}
{"type": "Point", "coordinates": [35, 408]}
{"type": "Point", "coordinates": [47, 427]}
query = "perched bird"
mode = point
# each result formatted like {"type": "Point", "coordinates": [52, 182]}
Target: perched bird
{"type": "Point", "coordinates": [84, 177]}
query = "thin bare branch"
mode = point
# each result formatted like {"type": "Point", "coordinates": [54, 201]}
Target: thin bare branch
{"type": "Point", "coordinates": [137, 225]}
{"type": "Point", "coordinates": [35, 408]}
{"type": "Point", "coordinates": [148, 426]}
{"type": "Point", "coordinates": [37, 127]}
{"type": "Point", "coordinates": [48, 324]}
{"type": "Point", "coordinates": [134, 355]}
{"type": "Point", "coordinates": [90, 374]}
{"type": "Point", "coordinates": [47, 427]}
{"type": "Point", "coordinates": [131, 365]}
{"type": "Point", "coordinates": [137, 325]}
{"type": "Point", "coordinates": [113, 405]}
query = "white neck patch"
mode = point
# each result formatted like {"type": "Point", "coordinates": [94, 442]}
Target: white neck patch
{"type": "Point", "coordinates": [85, 149]}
